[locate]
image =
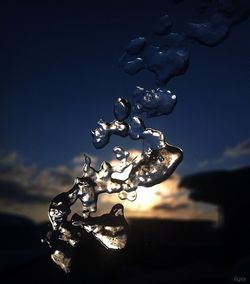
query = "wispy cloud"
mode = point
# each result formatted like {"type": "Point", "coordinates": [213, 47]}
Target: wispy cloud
{"type": "Point", "coordinates": [211, 162]}
{"type": "Point", "coordinates": [169, 207]}
{"type": "Point", "coordinates": [9, 158]}
{"type": "Point", "coordinates": [11, 192]}
{"type": "Point", "coordinates": [27, 185]}
{"type": "Point", "coordinates": [237, 151]}
{"type": "Point", "coordinates": [27, 189]}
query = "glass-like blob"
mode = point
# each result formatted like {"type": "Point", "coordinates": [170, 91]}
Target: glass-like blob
{"type": "Point", "coordinates": [167, 58]}
{"type": "Point", "coordinates": [154, 164]}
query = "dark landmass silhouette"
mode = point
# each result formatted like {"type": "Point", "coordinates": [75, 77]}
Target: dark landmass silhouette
{"type": "Point", "coordinates": [230, 191]}
{"type": "Point", "coordinates": [19, 241]}
{"type": "Point", "coordinates": [158, 251]}
{"type": "Point", "coordinates": [219, 187]}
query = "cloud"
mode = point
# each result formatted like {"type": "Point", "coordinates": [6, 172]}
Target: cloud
{"type": "Point", "coordinates": [241, 149]}
{"type": "Point", "coordinates": [212, 162]}
{"type": "Point", "coordinates": [9, 158]}
{"type": "Point", "coordinates": [11, 191]}
{"type": "Point", "coordinates": [26, 184]}
{"type": "Point", "coordinates": [53, 180]}
{"type": "Point", "coordinates": [169, 207]}
{"type": "Point", "coordinates": [12, 168]}
{"type": "Point", "coordinates": [27, 189]}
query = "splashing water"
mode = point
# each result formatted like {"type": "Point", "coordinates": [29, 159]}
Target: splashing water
{"type": "Point", "coordinates": [155, 164]}
{"type": "Point", "coordinates": [169, 55]}
{"type": "Point", "coordinates": [158, 159]}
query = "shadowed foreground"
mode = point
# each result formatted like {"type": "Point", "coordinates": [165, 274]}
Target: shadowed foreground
{"type": "Point", "coordinates": [158, 251]}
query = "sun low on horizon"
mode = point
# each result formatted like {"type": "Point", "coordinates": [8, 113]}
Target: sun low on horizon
{"type": "Point", "coordinates": [164, 200]}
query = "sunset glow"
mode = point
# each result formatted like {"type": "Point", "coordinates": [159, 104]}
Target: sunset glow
{"type": "Point", "coordinates": [147, 198]}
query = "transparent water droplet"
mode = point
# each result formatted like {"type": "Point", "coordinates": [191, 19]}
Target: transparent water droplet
{"type": "Point", "coordinates": [122, 109]}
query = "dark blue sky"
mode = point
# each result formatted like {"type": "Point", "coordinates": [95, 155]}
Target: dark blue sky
{"type": "Point", "coordinates": [60, 74]}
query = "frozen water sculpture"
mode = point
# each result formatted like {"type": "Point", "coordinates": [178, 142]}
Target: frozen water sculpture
{"type": "Point", "coordinates": [157, 161]}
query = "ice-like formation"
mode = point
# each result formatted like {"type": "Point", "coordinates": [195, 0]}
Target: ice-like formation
{"type": "Point", "coordinates": [227, 13]}
{"type": "Point", "coordinates": [109, 229]}
{"type": "Point", "coordinates": [167, 58]}
{"type": "Point", "coordinates": [169, 55]}
{"type": "Point", "coordinates": [163, 26]}
{"type": "Point", "coordinates": [155, 164]}
{"type": "Point", "coordinates": [153, 103]}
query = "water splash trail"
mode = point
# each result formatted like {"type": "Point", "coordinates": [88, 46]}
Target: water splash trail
{"type": "Point", "coordinates": [158, 159]}
{"type": "Point", "coordinates": [156, 163]}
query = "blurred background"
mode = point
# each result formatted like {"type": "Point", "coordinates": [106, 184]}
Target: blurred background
{"type": "Point", "coordinates": [59, 76]}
